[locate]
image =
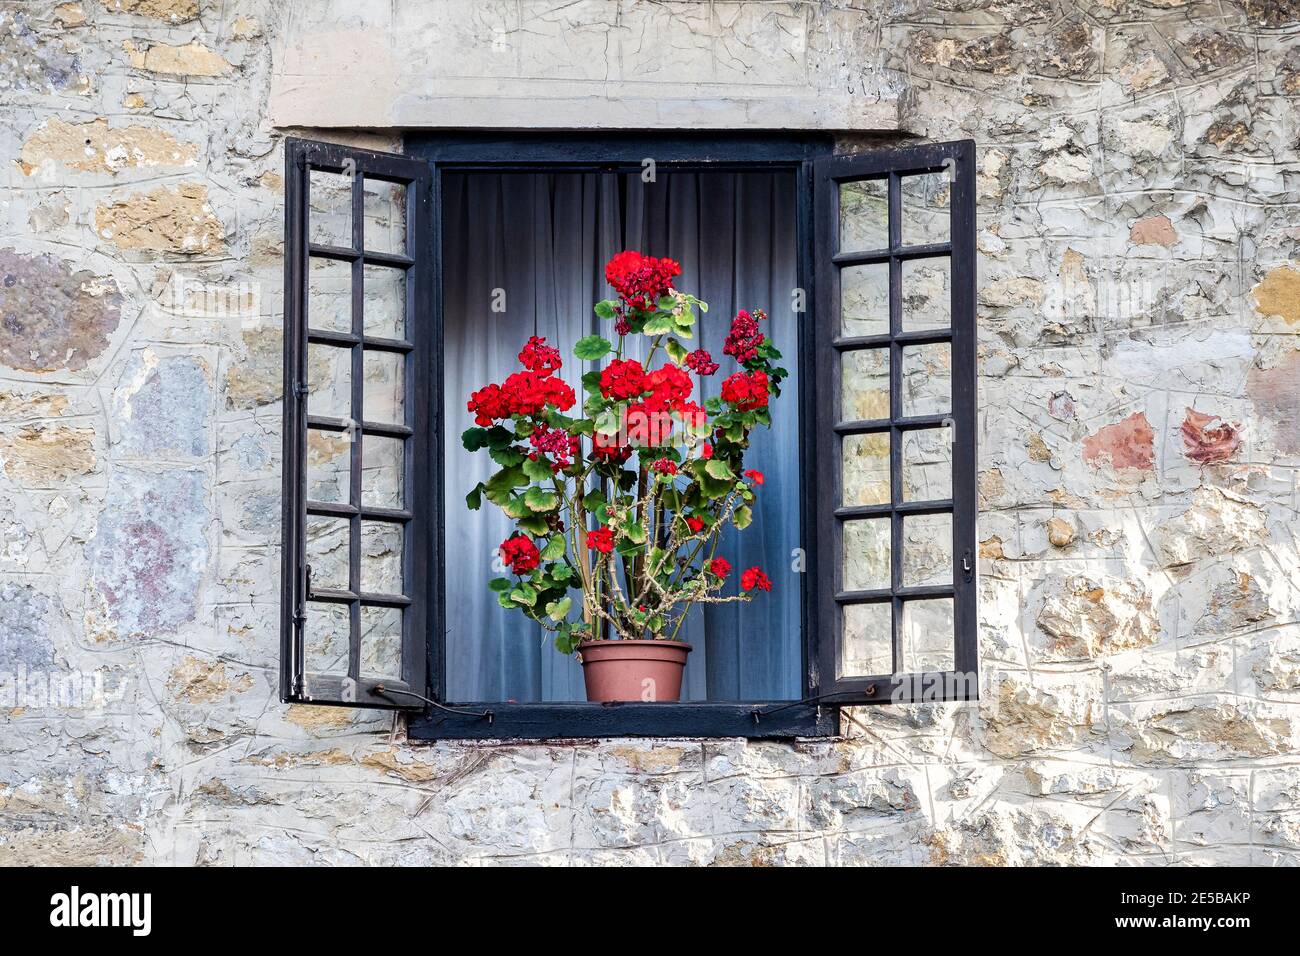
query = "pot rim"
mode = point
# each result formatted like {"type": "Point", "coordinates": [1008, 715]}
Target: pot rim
{"type": "Point", "coordinates": [636, 643]}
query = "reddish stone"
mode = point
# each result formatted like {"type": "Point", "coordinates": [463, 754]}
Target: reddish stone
{"type": "Point", "coordinates": [1129, 443]}
{"type": "Point", "coordinates": [1207, 444]}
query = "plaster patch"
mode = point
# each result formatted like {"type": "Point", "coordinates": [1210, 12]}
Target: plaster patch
{"type": "Point", "coordinates": [150, 551]}
{"type": "Point", "coordinates": [167, 219]}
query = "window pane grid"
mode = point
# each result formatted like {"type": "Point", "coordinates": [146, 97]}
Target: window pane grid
{"type": "Point", "coordinates": [899, 592]}
{"type": "Point", "coordinates": [356, 426]}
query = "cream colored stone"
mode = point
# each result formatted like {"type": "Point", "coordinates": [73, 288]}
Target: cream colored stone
{"type": "Point", "coordinates": [95, 147]}
{"type": "Point", "coordinates": [1088, 618]}
{"type": "Point", "coordinates": [190, 59]}
{"type": "Point", "coordinates": [167, 219]}
{"type": "Point", "coordinates": [43, 455]}
{"type": "Point", "coordinates": [1060, 532]}
{"type": "Point", "coordinates": [174, 11]}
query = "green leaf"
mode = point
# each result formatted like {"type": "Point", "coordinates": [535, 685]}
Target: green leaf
{"type": "Point", "coordinates": [676, 351]}
{"type": "Point", "coordinates": [591, 347]}
{"type": "Point", "coordinates": [507, 457]}
{"type": "Point", "coordinates": [474, 500]}
{"type": "Point", "coordinates": [659, 323]}
{"type": "Point", "coordinates": [533, 524]}
{"type": "Point", "coordinates": [558, 610]}
{"type": "Point", "coordinates": [474, 438]}
{"type": "Point", "coordinates": [635, 533]}
{"type": "Point", "coordinates": [504, 480]}
{"type": "Point", "coordinates": [500, 584]}
{"type": "Point", "coordinates": [554, 549]}
{"type": "Point", "coordinates": [719, 469]}
{"type": "Point", "coordinates": [605, 308]}
{"type": "Point", "coordinates": [524, 594]}
{"type": "Point", "coordinates": [537, 469]}
{"type": "Point", "coordinates": [561, 573]}
{"type": "Point", "coordinates": [539, 499]}
{"type": "Point", "coordinates": [567, 640]}
{"type": "Point", "coordinates": [743, 516]}
{"type": "Point", "coordinates": [607, 423]}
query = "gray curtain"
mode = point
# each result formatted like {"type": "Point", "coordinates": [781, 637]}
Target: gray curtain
{"type": "Point", "coordinates": [534, 246]}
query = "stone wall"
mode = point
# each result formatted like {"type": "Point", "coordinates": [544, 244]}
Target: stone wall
{"type": "Point", "coordinates": [1139, 318]}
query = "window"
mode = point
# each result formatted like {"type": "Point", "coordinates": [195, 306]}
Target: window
{"type": "Point", "coordinates": [390, 258]}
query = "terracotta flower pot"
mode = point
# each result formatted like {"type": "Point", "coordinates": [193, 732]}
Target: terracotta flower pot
{"type": "Point", "coordinates": [633, 670]}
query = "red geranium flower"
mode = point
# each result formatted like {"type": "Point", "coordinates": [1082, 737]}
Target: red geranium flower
{"type": "Point", "coordinates": [623, 378]}
{"type": "Point", "coordinates": [701, 362]}
{"type": "Point", "coordinates": [607, 448]}
{"type": "Point", "coordinates": [746, 390]}
{"type": "Point", "coordinates": [555, 442]}
{"type": "Point", "coordinates": [755, 476]}
{"type": "Point", "coordinates": [707, 451]}
{"type": "Point", "coordinates": [755, 578]}
{"type": "Point", "coordinates": [695, 524]}
{"type": "Point", "coordinates": [720, 566]}
{"type": "Point", "coordinates": [669, 388]}
{"type": "Point", "coordinates": [744, 338]}
{"type": "Point", "coordinates": [520, 554]}
{"type": "Point", "coordinates": [641, 280]}
{"type": "Point", "coordinates": [602, 540]}
{"type": "Point", "coordinates": [665, 466]}
{"type": "Point", "coordinates": [537, 356]}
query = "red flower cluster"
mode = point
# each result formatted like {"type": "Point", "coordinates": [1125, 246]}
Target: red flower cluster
{"type": "Point", "coordinates": [744, 338]}
{"type": "Point", "coordinates": [520, 554]}
{"type": "Point", "coordinates": [602, 540]}
{"type": "Point", "coordinates": [641, 280]}
{"type": "Point", "coordinates": [669, 388]}
{"type": "Point", "coordinates": [755, 578]}
{"type": "Point", "coordinates": [527, 392]}
{"type": "Point", "coordinates": [622, 378]}
{"type": "Point", "coordinates": [720, 566]}
{"type": "Point", "coordinates": [665, 466]}
{"type": "Point", "coordinates": [755, 476]}
{"type": "Point", "coordinates": [607, 448]}
{"type": "Point", "coordinates": [537, 356]}
{"type": "Point", "coordinates": [555, 442]}
{"type": "Point", "coordinates": [701, 362]}
{"type": "Point", "coordinates": [746, 390]}
{"type": "Point", "coordinates": [695, 524]}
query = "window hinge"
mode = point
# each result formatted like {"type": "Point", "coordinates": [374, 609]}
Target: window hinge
{"type": "Point", "coordinates": [300, 389]}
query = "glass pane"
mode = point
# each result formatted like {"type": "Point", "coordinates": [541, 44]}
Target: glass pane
{"type": "Point", "coordinates": [384, 397]}
{"type": "Point", "coordinates": [381, 641]}
{"type": "Point", "coordinates": [927, 464]}
{"type": "Point", "coordinates": [927, 550]}
{"type": "Point", "coordinates": [864, 385]}
{"type": "Point", "coordinates": [927, 199]}
{"type": "Point", "coordinates": [926, 294]}
{"type": "Point", "coordinates": [326, 638]}
{"type": "Point", "coordinates": [866, 469]}
{"type": "Point", "coordinates": [329, 294]}
{"type": "Point", "coordinates": [329, 218]}
{"type": "Point", "coordinates": [381, 472]}
{"type": "Point", "coordinates": [385, 216]}
{"type": "Point", "coordinates": [864, 299]}
{"type": "Point", "coordinates": [385, 302]}
{"type": "Point", "coordinates": [381, 557]}
{"type": "Point", "coordinates": [868, 648]}
{"type": "Point", "coordinates": [866, 554]}
{"type": "Point", "coordinates": [329, 381]}
{"type": "Point", "coordinates": [327, 552]}
{"type": "Point", "coordinates": [329, 466]}
{"type": "Point", "coordinates": [927, 380]}
{"type": "Point", "coordinates": [927, 636]}
{"type": "Point", "coordinates": [864, 215]}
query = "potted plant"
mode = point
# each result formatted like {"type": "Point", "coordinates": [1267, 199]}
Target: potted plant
{"type": "Point", "coordinates": [619, 505]}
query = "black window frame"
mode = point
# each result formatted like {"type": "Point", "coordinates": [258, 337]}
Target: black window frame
{"type": "Point", "coordinates": [811, 158]}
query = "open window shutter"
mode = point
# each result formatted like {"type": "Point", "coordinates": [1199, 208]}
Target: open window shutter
{"type": "Point", "coordinates": [356, 427]}
{"type": "Point", "coordinates": [895, 353]}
